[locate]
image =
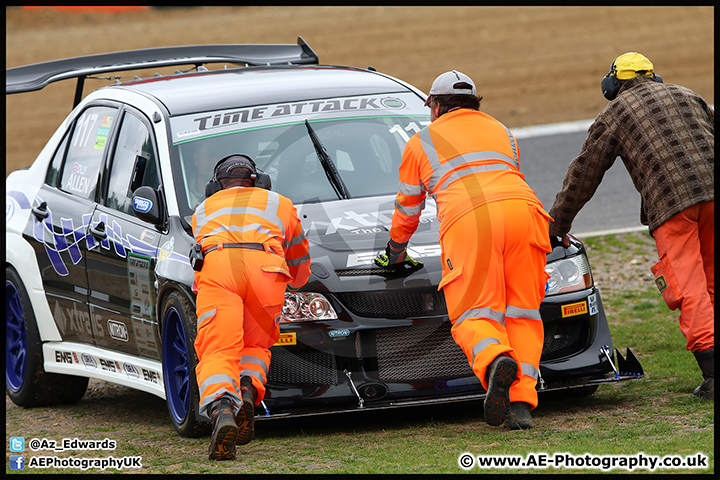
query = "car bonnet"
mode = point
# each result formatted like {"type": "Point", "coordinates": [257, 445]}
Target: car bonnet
{"type": "Point", "coordinates": [354, 231]}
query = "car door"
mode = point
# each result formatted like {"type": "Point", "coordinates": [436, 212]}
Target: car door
{"type": "Point", "coordinates": [120, 268]}
{"type": "Point", "coordinates": [61, 216]}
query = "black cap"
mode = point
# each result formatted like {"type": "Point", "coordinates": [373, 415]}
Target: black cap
{"type": "Point", "coordinates": [232, 162]}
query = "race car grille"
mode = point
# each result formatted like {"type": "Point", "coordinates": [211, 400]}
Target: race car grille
{"type": "Point", "coordinates": [360, 272]}
{"type": "Point", "coordinates": [419, 352]}
{"type": "Point", "coordinates": [395, 305]}
{"type": "Point", "coordinates": [564, 338]}
{"type": "Point", "coordinates": [304, 367]}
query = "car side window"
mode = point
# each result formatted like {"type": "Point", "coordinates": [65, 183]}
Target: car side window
{"type": "Point", "coordinates": [134, 144]}
{"type": "Point", "coordinates": [52, 177]}
{"type": "Point", "coordinates": [85, 152]}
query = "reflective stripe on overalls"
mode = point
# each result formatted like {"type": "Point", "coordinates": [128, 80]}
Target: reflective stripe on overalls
{"type": "Point", "coordinates": [459, 165]}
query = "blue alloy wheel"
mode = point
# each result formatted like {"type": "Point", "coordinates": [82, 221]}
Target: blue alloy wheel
{"type": "Point", "coordinates": [26, 382]}
{"type": "Point", "coordinates": [176, 366]}
{"type": "Point", "coordinates": [15, 339]}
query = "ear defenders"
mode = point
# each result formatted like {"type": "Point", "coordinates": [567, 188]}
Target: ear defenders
{"type": "Point", "coordinates": [610, 84]}
{"type": "Point", "coordinates": [261, 179]}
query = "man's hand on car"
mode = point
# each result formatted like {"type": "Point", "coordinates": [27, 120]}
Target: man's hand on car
{"type": "Point", "coordinates": [396, 257]}
{"type": "Point", "coordinates": [565, 240]}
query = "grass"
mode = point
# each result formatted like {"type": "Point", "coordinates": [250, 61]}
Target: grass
{"type": "Point", "coordinates": [655, 415]}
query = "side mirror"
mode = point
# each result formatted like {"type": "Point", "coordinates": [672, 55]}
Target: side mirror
{"type": "Point", "coordinates": [147, 205]}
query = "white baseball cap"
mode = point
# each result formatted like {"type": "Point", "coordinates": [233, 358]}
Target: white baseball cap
{"type": "Point", "coordinates": [447, 84]}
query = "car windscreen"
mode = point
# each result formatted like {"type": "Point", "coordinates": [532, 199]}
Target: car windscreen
{"type": "Point", "coordinates": [364, 146]}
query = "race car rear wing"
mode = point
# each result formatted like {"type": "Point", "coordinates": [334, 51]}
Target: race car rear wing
{"type": "Point", "coordinates": [37, 76]}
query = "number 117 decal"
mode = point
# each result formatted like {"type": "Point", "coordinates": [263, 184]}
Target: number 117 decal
{"type": "Point", "coordinates": [412, 127]}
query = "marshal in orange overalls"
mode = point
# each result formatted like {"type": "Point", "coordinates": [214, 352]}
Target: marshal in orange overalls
{"type": "Point", "coordinates": [240, 292]}
{"type": "Point", "coordinates": [493, 234]}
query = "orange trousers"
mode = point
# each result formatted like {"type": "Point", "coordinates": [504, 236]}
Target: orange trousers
{"type": "Point", "coordinates": [238, 305]}
{"type": "Point", "coordinates": [685, 273]}
{"type": "Point", "coordinates": [494, 280]}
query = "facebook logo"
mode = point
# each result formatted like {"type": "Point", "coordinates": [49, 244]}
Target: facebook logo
{"type": "Point", "coordinates": [17, 462]}
{"type": "Point", "coordinates": [17, 444]}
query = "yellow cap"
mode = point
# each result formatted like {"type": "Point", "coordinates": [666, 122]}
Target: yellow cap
{"type": "Point", "coordinates": [628, 64]}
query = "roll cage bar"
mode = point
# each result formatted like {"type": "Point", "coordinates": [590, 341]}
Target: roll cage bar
{"type": "Point", "coordinates": [37, 76]}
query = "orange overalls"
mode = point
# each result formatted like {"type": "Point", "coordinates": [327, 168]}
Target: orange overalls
{"type": "Point", "coordinates": [685, 273]}
{"type": "Point", "coordinates": [241, 291]}
{"type": "Point", "coordinates": [493, 234]}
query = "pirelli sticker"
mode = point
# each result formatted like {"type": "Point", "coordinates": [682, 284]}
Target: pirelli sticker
{"type": "Point", "coordinates": [574, 309]}
{"type": "Point", "coordinates": [286, 339]}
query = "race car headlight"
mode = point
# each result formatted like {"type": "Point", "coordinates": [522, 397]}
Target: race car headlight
{"type": "Point", "coordinates": [306, 307]}
{"type": "Point", "coordinates": [568, 275]}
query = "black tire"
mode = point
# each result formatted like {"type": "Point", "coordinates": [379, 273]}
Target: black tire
{"type": "Point", "coordinates": [585, 391]}
{"type": "Point", "coordinates": [179, 362]}
{"type": "Point", "coordinates": [578, 392]}
{"type": "Point", "coordinates": [26, 381]}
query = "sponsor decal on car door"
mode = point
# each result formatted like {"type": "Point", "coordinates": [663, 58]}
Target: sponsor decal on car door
{"type": "Point", "coordinates": [122, 301]}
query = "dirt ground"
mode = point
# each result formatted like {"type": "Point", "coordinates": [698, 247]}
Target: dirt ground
{"type": "Point", "coordinates": [533, 65]}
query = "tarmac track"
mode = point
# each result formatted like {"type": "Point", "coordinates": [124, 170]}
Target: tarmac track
{"type": "Point", "coordinates": [546, 151]}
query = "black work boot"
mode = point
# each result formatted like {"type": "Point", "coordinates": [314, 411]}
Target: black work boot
{"type": "Point", "coordinates": [225, 431]}
{"type": "Point", "coordinates": [519, 416]}
{"type": "Point", "coordinates": [706, 360]}
{"type": "Point", "coordinates": [501, 374]}
{"type": "Point", "coordinates": [245, 418]}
